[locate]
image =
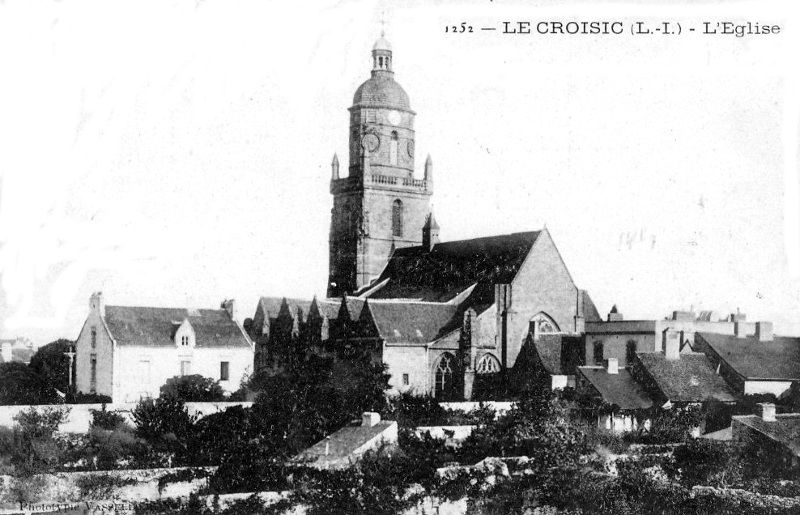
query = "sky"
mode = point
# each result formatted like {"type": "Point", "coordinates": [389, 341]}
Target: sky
{"type": "Point", "coordinates": [178, 153]}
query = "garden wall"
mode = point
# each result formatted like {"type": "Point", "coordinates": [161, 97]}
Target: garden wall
{"type": "Point", "coordinates": [80, 416]}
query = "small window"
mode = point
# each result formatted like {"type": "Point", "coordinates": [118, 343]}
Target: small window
{"type": "Point", "coordinates": [224, 371]}
{"type": "Point", "coordinates": [186, 368]}
{"type": "Point", "coordinates": [93, 374]}
{"type": "Point", "coordinates": [598, 353]}
{"type": "Point", "coordinates": [94, 337]}
{"type": "Point", "coordinates": [630, 351]}
{"type": "Point", "coordinates": [393, 149]}
{"type": "Point", "coordinates": [397, 218]}
{"type": "Point", "coordinates": [185, 340]}
{"type": "Point", "coordinates": [405, 379]}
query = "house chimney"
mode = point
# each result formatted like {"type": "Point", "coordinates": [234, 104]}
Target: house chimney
{"type": "Point", "coordinates": [764, 331]}
{"type": "Point", "coordinates": [672, 345]}
{"type": "Point", "coordinates": [327, 445]}
{"type": "Point", "coordinates": [229, 305]}
{"type": "Point", "coordinates": [96, 303]}
{"type": "Point", "coordinates": [767, 411]}
{"type": "Point", "coordinates": [612, 366]}
{"type": "Point", "coordinates": [370, 419]}
{"type": "Point", "coordinates": [614, 315]}
{"type": "Point", "coordinates": [739, 329]}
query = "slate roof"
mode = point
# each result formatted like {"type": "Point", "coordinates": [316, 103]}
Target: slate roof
{"type": "Point", "coordinates": [344, 442]}
{"type": "Point", "coordinates": [410, 322]}
{"type": "Point", "coordinates": [590, 313]}
{"type": "Point", "coordinates": [753, 359]}
{"type": "Point", "coordinates": [688, 379]}
{"type": "Point", "coordinates": [381, 90]}
{"type": "Point", "coordinates": [155, 327]}
{"type": "Point", "coordinates": [620, 389]}
{"type": "Point", "coordinates": [549, 347]}
{"type": "Point", "coordinates": [440, 274]}
{"type": "Point", "coordinates": [785, 429]}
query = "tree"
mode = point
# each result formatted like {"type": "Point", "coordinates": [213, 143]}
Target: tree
{"type": "Point", "coordinates": [52, 365]}
{"type": "Point", "coordinates": [21, 385]}
{"type": "Point", "coordinates": [193, 388]}
{"type": "Point", "coordinates": [35, 450]}
{"type": "Point", "coordinates": [165, 424]}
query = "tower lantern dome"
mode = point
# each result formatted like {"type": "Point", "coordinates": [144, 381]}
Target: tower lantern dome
{"type": "Point", "coordinates": [382, 55]}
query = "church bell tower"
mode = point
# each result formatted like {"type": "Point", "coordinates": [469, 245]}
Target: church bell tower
{"type": "Point", "coordinates": [379, 206]}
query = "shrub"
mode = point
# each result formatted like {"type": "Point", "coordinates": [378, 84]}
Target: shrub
{"type": "Point", "coordinates": [104, 419]}
{"type": "Point", "coordinates": [193, 388]}
{"type": "Point", "coordinates": [35, 450]}
{"type": "Point", "coordinates": [165, 424]}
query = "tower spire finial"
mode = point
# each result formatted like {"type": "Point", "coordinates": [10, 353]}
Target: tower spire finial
{"type": "Point", "coordinates": [383, 23]}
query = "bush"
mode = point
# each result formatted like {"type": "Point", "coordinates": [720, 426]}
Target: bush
{"type": "Point", "coordinates": [165, 424]}
{"type": "Point", "coordinates": [104, 419]}
{"type": "Point", "coordinates": [193, 388]}
{"type": "Point", "coordinates": [22, 386]}
{"type": "Point", "coordinates": [706, 462]}
{"type": "Point", "coordinates": [35, 450]}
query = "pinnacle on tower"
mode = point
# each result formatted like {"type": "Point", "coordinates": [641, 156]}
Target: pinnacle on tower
{"type": "Point", "coordinates": [429, 168]}
{"type": "Point", "coordinates": [430, 232]}
{"type": "Point", "coordinates": [335, 167]}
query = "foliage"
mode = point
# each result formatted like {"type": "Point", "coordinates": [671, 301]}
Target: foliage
{"type": "Point", "coordinates": [104, 419]}
{"type": "Point", "coordinates": [411, 410]}
{"type": "Point", "coordinates": [497, 386]}
{"type": "Point", "coordinates": [673, 425]}
{"type": "Point", "coordinates": [52, 365]}
{"type": "Point", "coordinates": [165, 424]}
{"type": "Point", "coordinates": [193, 388]}
{"type": "Point", "coordinates": [110, 449]}
{"type": "Point", "coordinates": [35, 449]}
{"type": "Point", "coordinates": [706, 462]}
{"type": "Point", "coordinates": [101, 486]}
{"type": "Point", "coordinates": [22, 386]}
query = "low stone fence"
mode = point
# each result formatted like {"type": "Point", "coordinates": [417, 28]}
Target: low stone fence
{"type": "Point", "coordinates": [768, 502]}
{"type": "Point", "coordinates": [80, 416]}
{"type": "Point", "coordinates": [500, 408]}
{"type": "Point", "coordinates": [126, 485]}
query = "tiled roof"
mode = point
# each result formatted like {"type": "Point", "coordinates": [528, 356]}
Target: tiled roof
{"type": "Point", "coordinates": [688, 379]}
{"type": "Point", "coordinates": [785, 429]}
{"type": "Point", "coordinates": [753, 359]}
{"type": "Point", "coordinates": [620, 326]}
{"type": "Point", "coordinates": [410, 322]}
{"type": "Point", "coordinates": [549, 347]}
{"type": "Point", "coordinates": [590, 313]}
{"type": "Point", "coordinates": [343, 443]}
{"type": "Point", "coordinates": [619, 389]}
{"type": "Point", "coordinates": [381, 90]}
{"type": "Point", "coordinates": [156, 326]}
{"type": "Point", "coordinates": [448, 269]}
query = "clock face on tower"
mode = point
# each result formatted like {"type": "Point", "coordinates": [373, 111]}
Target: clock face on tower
{"type": "Point", "coordinates": [394, 117]}
{"type": "Point", "coordinates": [370, 142]}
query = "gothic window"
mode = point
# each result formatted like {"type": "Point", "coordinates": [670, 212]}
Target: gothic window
{"type": "Point", "coordinates": [488, 364]}
{"type": "Point", "coordinates": [397, 218]}
{"type": "Point", "coordinates": [445, 376]}
{"type": "Point", "coordinates": [393, 149]}
{"type": "Point", "coordinates": [598, 353]}
{"type": "Point", "coordinates": [542, 324]}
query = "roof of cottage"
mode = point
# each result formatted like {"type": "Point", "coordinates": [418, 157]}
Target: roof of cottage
{"type": "Point", "coordinates": [343, 443]}
{"type": "Point", "coordinates": [687, 379]}
{"type": "Point", "coordinates": [154, 327]}
{"type": "Point", "coordinates": [620, 388]}
{"type": "Point", "coordinates": [754, 359]}
{"type": "Point", "coordinates": [785, 429]}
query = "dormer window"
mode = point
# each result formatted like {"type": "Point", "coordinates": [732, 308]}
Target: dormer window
{"type": "Point", "coordinates": [184, 336]}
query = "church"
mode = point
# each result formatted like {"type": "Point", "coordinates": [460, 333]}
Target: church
{"type": "Point", "coordinates": [438, 314]}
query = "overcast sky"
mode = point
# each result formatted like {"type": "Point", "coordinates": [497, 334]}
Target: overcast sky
{"type": "Point", "coordinates": [176, 154]}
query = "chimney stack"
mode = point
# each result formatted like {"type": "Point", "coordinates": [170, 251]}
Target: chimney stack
{"type": "Point", "coordinates": [764, 331]}
{"type": "Point", "coordinates": [229, 305]}
{"type": "Point", "coordinates": [97, 304]}
{"type": "Point", "coordinates": [370, 419]}
{"type": "Point", "coordinates": [614, 315]}
{"type": "Point", "coordinates": [767, 411]}
{"type": "Point", "coordinates": [612, 366]}
{"type": "Point", "coordinates": [672, 345]}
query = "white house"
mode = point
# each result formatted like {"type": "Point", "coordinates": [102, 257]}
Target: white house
{"type": "Point", "coordinates": [129, 352]}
